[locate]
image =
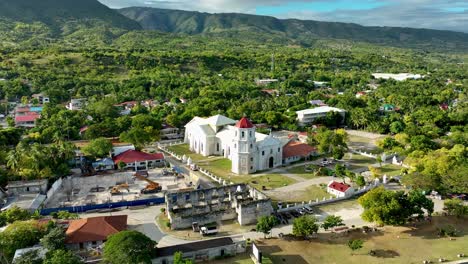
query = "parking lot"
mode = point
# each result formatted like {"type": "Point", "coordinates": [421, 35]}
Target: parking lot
{"type": "Point", "coordinates": [77, 190]}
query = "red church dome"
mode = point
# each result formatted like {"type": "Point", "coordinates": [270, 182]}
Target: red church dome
{"type": "Point", "coordinates": [244, 123]}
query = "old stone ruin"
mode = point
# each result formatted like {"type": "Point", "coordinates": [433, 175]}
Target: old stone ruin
{"type": "Point", "coordinates": [236, 201]}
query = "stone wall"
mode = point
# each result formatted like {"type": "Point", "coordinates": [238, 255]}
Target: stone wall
{"type": "Point", "coordinates": [216, 204]}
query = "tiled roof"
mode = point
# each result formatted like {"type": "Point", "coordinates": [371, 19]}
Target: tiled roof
{"type": "Point", "coordinates": [342, 187]}
{"type": "Point", "coordinates": [244, 123]}
{"type": "Point", "coordinates": [296, 148]}
{"type": "Point", "coordinates": [95, 228]}
{"type": "Point", "coordinates": [131, 155]}
{"type": "Point", "coordinates": [27, 118]}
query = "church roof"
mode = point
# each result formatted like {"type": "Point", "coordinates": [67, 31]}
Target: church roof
{"type": "Point", "coordinates": [269, 141]}
{"type": "Point", "coordinates": [220, 120]}
{"type": "Point", "coordinates": [244, 123]}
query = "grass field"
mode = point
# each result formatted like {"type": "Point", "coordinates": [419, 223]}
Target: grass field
{"type": "Point", "coordinates": [392, 245]}
{"type": "Point", "coordinates": [183, 149]}
{"type": "Point", "coordinates": [391, 170]}
{"type": "Point", "coordinates": [270, 181]}
{"type": "Point", "coordinates": [310, 193]}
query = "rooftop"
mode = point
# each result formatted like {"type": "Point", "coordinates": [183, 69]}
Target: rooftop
{"type": "Point", "coordinates": [131, 155]}
{"type": "Point", "coordinates": [194, 246]}
{"type": "Point", "coordinates": [342, 187]}
{"type": "Point", "coordinates": [244, 123]}
{"type": "Point", "coordinates": [95, 228]}
{"type": "Point", "coordinates": [296, 148]}
{"type": "Point", "coordinates": [321, 109]}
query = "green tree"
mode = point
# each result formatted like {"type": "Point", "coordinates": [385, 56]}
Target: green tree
{"type": "Point", "coordinates": [455, 207]}
{"type": "Point", "coordinates": [332, 221]}
{"type": "Point", "coordinates": [98, 148]}
{"type": "Point", "coordinates": [179, 259]}
{"type": "Point", "coordinates": [30, 257]}
{"type": "Point", "coordinates": [393, 208]}
{"type": "Point", "coordinates": [355, 244]}
{"type": "Point", "coordinates": [265, 224]}
{"type": "Point", "coordinates": [16, 214]}
{"type": "Point", "coordinates": [54, 239]}
{"type": "Point", "coordinates": [360, 181]}
{"type": "Point", "coordinates": [340, 171]}
{"type": "Point", "coordinates": [129, 247]}
{"type": "Point", "coordinates": [20, 234]}
{"type": "Point", "coordinates": [139, 136]}
{"type": "Point", "coordinates": [305, 226]}
{"type": "Point", "coordinates": [62, 256]}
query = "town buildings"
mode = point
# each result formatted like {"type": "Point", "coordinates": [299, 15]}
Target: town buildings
{"type": "Point", "coordinates": [295, 151]}
{"type": "Point", "coordinates": [76, 104]}
{"type": "Point", "coordinates": [169, 132]}
{"type": "Point", "coordinates": [308, 116]}
{"type": "Point", "coordinates": [248, 150]}
{"type": "Point", "coordinates": [26, 115]}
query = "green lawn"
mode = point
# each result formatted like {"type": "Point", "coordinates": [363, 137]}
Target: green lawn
{"type": "Point", "coordinates": [239, 259]}
{"type": "Point", "coordinates": [392, 245]}
{"type": "Point", "coordinates": [358, 161]}
{"type": "Point", "coordinates": [270, 181]}
{"type": "Point", "coordinates": [301, 172]}
{"type": "Point", "coordinates": [310, 193]}
{"type": "Point", "coordinates": [183, 149]}
{"type": "Point", "coordinates": [391, 170]}
{"type": "Point", "coordinates": [219, 166]}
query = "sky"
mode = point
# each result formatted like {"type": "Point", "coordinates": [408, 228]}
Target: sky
{"type": "Point", "coordinates": [435, 14]}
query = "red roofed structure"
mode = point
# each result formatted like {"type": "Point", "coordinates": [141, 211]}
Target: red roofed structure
{"type": "Point", "coordinates": [296, 150]}
{"type": "Point", "coordinates": [244, 123]}
{"type": "Point", "coordinates": [340, 189]}
{"type": "Point", "coordinates": [27, 120]}
{"type": "Point", "coordinates": [93, 231]}
{"type": "Point", "coordinates": [139, 160]}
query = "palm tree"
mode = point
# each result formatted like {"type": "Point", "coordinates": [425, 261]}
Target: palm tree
{"type": "Point", "coordinates": [13, 160]}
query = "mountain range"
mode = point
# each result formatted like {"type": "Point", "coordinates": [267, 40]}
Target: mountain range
{"type": "Point", "coordinates": [71, 15]}
{"type": "Point", "coordinates": [190, 22]}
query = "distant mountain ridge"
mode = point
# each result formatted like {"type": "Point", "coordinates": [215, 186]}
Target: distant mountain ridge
{"type": "Point", "coordinates": [54, 12]}
{"type": "Point", "coordinates": [191, 22]}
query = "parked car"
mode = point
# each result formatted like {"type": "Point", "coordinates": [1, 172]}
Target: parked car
{"type": "Point", "coordinates": [210, 230]}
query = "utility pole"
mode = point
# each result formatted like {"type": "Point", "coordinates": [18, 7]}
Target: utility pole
{"type": "Point", "coordinates": [272, 65]}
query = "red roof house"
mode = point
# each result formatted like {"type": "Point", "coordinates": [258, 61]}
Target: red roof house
{"type": "Point", "coordinates": [296, 150]}
{"type": "Point", "coordinates": [244, 123]}
{"type": "Point", "coordinates": [340, 189]}
{"type": "Point", "coordinates": [94, 230]}
{"type": "Point", "coordinates": [139, 160]}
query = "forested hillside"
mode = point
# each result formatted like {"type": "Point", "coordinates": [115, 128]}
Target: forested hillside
{"type": "Point", "coordinates": [55, 13]}
{"type": "Point", "coordinates": [301, 31]}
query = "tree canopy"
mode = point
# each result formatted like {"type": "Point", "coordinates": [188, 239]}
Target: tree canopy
{"type": "Point", "coordinates": [129, 247]}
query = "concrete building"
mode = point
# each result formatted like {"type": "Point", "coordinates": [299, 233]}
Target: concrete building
{"type": "Point", "coordinates": [202, 251]}
{"type": "Point", "coordinates": [248, 150]}
{"type": "Point", "coordinates": [43, 99]}
{"type": "Point", "coordinates": [27, 187]}
{"type": "Point", "coordinates": [398, 77]}
{"type": "Point", "coordinates": [92, 232]}
{"type": "Point", "coordinates": [26, 116]}
{"type": "Point", "coordinates": [237, 201]}
{"type": "Point", "coordinates": [265, 81]}
{"type": "Point", "coordinates": [308, 116]}
{"type": "Point", "coordinates": [169, 132]}
{"type": "Point", "coordinates": [340, 189]}
{"type": "Point", "coordinates": [76, 104]}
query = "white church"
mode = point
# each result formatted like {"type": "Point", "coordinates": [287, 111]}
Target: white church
{"type": "Point", "coordinates": [248, 150]}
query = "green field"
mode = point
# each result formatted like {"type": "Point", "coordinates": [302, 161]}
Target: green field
{"type": "Point", "coordinates": [391, 245]}
{"type": "Point", "coordinates": [391, 170]}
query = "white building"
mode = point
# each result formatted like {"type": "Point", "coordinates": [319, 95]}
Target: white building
{"type": "Point", "coordinates": [398, 77]}
{"type": "Point", "coordinates": [76, 104]}
{"type": "Point", "coordinates": [305, 117]}
{"type": "Point", "coordinates": [248, 150]}
{"type": "Point", "coordinates": [340, 189]}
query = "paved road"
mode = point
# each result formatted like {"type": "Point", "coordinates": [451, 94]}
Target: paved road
{"type": "Point", "coordinates": [205, 182]}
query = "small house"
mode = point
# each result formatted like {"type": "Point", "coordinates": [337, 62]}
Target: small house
{"type": "Point", "coordinates": [24, 187]}
{"type": "Point", "coordinates": [93, 232]}
{"type": "Point", "coordinates": [295, 150]}
{"type": "Point", "coordinates": [340, 189]}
